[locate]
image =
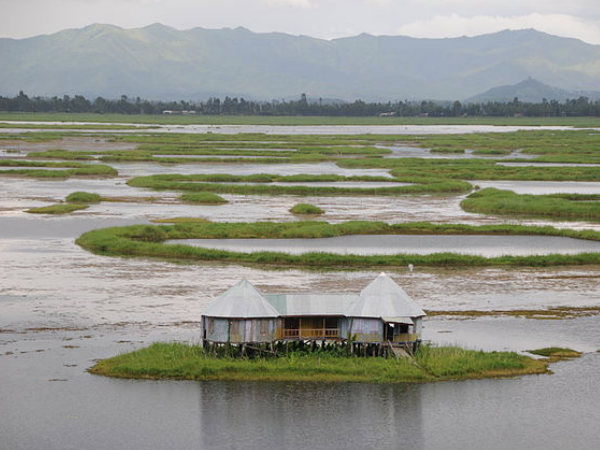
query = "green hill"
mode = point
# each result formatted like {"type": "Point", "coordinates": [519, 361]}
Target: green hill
{"type": "Point", "coordinates": [159, 62]}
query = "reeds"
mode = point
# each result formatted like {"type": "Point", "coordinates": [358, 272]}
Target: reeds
{"type": "Point", "coordinates": [557, 206]}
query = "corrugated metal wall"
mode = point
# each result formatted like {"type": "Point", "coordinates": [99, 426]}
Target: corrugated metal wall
{"type": "Point", "coordinates": [217, 330]}
{"type": "Point", "coordinates": [366, 330]}
{"type": "Point", "coordinates": [239, 331]}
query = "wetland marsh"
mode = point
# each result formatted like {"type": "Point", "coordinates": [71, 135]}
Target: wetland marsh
{"type": "Point", "coordinates": [64, 307]}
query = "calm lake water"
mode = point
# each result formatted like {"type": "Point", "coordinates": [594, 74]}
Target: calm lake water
{"type": "Point", "coordinates": [50, 402]}
{"type": "Point", "coordinates": [413, 244]}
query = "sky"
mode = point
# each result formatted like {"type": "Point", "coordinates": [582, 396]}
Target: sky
{"type": "Point", "coordinates": [318, 18]}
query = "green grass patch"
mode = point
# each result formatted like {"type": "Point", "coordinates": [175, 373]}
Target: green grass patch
{"type": "Point", "coordinates": [306, 208]}
{"type": "Point", "coordinates": [556, 353]}
{"type": "Point", "coordinates": [147, 241]}
{"type": "Point", "coordinates": [407, 169]}
{"type": "Point", "coordinates": [58, 208]}
{"type": "Point", "coordinates": [40, 169]}
{"type": "Point", "coordinates": [203, 198]}
{"type": "Point", "coordinates": [83, 197]}
{"type": "Point", "coordinates": [185, 362]}
{"type": "Point", "coordinates": [62, 154]}
{"type": "Point", "coordinates": [195, 183]}
{"type": "Point", "coordinates": [556, 206]}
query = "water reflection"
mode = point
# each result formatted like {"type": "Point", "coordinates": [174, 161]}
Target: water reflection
{"type": "Point", "coordinates": [307, 416]}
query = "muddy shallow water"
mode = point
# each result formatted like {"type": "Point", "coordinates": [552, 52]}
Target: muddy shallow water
{"type": "Point", "coordinates": [143, 169]}
{"type": "Point", "coordinates": [543, 187]}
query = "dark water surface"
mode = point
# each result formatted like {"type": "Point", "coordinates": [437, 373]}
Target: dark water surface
{"type": "Point", "coordinates": [50, 402]}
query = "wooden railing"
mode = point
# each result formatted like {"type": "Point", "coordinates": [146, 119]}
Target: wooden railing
{"type": "Point", "coordinates": [405, 337]}
{"type": "Point", "coordinates": [311, 333]}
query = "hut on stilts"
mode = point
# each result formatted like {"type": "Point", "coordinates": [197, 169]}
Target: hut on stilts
{"type": "Point", "coordinates": [379, 320]}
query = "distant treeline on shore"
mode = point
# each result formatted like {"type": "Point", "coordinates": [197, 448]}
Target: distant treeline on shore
{"type": "Point", "coordinates": [581, 106]}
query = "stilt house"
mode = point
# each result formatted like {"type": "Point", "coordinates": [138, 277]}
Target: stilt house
{"type": "Point", "coordinates": [382, 313]}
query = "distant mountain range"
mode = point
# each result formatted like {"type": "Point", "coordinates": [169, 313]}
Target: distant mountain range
{"type": "Point", "coordinates": [159, 62]}
{"type": "Point", "coordinates": [532, 91]}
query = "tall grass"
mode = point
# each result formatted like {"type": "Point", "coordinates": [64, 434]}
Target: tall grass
{"type": "Point", "coordinates": [179, 361]}
{"type": "Point", "coordinates": [502, 202]}
{"type": "Point", "coordinates": [36, 169]}
{"type": "Point", "coordinates": [190, 183]}
{"type": "Point", "coordinates": [147, 241]}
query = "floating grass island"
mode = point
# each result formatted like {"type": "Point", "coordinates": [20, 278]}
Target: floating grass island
{"type": "Point", "coordinates": [83, 197]}
{"type": "Point", "coordinates": [556, 206]}
{"type": "Point", "coordinates": [306, 209]}
{"type": "Point", "coordinates": [55, 170]}
{"type": "Point", "coordinates": [149, 241]}
{"type": "Point", "coordinates": [57, 208]}
{"type": "Point", "coordinates": [556, 353]}
{"type": "Point", "coordinates": [233, 184]}
{"type": "Point", "coordinates": [185, 362]}
{"type": "Point", "coordinates": [203, 198]}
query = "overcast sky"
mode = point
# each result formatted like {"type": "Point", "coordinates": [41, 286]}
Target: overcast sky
{"type": "Point", "coordinates": [318, 18]}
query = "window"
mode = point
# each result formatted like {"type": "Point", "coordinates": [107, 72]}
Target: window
{"type": "Point", "coordinates": [211, 326]}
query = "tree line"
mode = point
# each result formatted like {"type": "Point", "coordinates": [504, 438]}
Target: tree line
{"type": "Point", "coordinates": [581, 106]}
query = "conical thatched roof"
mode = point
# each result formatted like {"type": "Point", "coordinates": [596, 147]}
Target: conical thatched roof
{"type": "Point", "coordinates": [384, 298]}
{"type": "Point", "coordinates": [241, 301]}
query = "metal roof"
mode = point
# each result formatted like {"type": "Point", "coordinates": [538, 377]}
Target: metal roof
{"type": "Point", "coordinates": [241, 301]}
{"type": "Point", "coordinates": [312, 304]}
{"type": "Point", "coordinates": [384, 298]}
{"type": "Point", "coordinates": [402, 320]}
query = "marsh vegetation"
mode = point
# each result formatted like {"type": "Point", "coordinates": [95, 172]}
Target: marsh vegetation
{"type": "Point", "coordinates": [180, 361]}
{"type": "Point", "coordinates": [148, 241]}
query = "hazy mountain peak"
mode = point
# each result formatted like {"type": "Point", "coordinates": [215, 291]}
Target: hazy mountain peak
{"type": "Point", "coordinates": [530, 90]}
{"type": "Point", "coordinates": [158, 61]}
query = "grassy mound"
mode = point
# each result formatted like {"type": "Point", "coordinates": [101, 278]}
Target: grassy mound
{"type": "Point", "coordinates": [556, 353]}
{"type": "Point", "coordinates": [83, 197]}
{"type": "Point", "coordinates": [306, 208]}
{"type": "Point", "coordinates": [184, 362]}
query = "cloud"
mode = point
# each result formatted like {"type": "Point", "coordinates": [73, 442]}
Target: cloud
{"type": "Point", "coordinates": [295, 3]}
{"type": "Point", "coordinates": [379, 2]}
{"type": "Point", "coordinates": [454, 25]}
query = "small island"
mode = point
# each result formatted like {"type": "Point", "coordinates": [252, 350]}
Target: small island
{"type": "Point", "coordinates": [179, 361]}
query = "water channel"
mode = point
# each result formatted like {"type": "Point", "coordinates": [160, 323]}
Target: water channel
{"type": "Point", "coordinates": [488, 246]}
